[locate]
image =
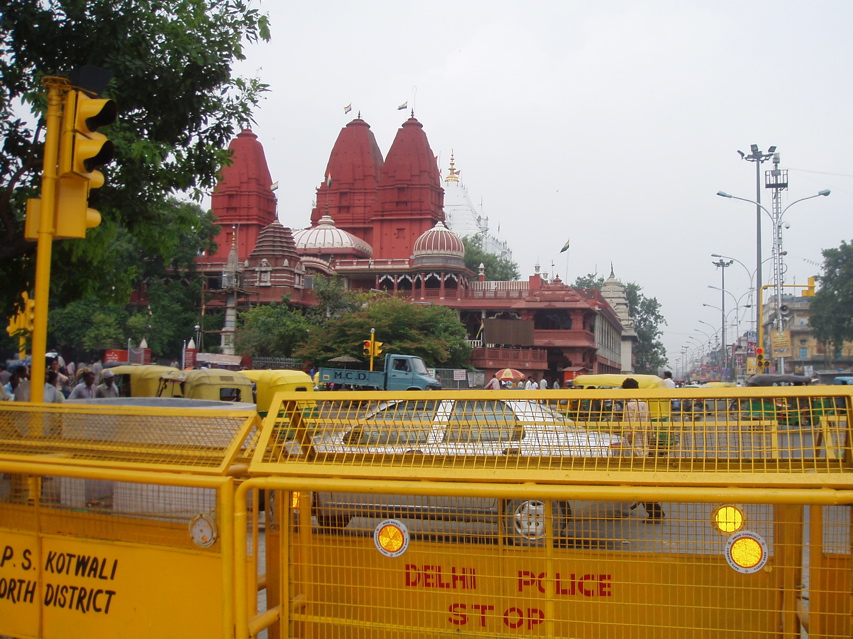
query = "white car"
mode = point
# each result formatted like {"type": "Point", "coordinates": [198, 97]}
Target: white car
{"type": "Point", "coordinates": [451, 427]}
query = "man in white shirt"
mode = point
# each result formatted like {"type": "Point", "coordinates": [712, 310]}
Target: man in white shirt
{"type": "Point", "coordinates": [667, 380]}
{"type": "Point", "coordinates": [86, 388]}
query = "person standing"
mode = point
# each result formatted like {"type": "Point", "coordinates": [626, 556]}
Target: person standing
{"type": "Point", "coordinates": [494, 383]}
{"type": "Point", "coordinates": [556, 385]}
{"type": "Point", "coordinates": [639, 435]}
{"type": "Point", "coordinates": [22, 390]}
{"type": "Point", "coordinates": [543, 383]}
{"type": "Point", "coordinates": [531, 385]}
{"type": "Point", "coordinates": [108, 388]}
{"type": "Point", "coordinates": [52, 394]}
{"type": "Point", "coordinates": [86, 388]}
{"type": "Point", "coordinates": [667, 379]}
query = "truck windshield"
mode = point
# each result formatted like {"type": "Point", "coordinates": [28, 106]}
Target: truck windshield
{"type": "Point", "coordinates": [418, 366]}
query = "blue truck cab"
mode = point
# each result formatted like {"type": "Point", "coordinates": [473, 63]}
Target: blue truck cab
{"type": "Point", "coordinates": [401, 373]}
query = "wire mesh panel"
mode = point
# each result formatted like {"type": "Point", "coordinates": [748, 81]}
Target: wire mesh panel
{"type": "Point", "coordinates": [400, 533]}
{"type": "Point", "coordinates": [560, 568]}
{"type": "Point", "coordinates": [519, 432]}
{"type": "Point", "coordinates": [101, 536]}
{"type": "Point", "coordinates": [174, 437]}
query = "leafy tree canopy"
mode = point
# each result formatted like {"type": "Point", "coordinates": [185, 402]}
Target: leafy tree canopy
{"type": "Point", "coordinates": [831, 309]}
{"type": "Point", "coordinates": [179, 106]}
{"type": "Point", "coordinates": [497, 268]}
{"type": "Point", "coordinates": [333, 299]}
{"type": "Point", "coordinates": [271, 330]}
{"type": "Point", "coordinates": [649, 351]}
{"type": "Point", "coordinates": [429, 331]}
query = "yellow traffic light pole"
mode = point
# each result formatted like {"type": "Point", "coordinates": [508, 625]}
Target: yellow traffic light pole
{"type": "Point", "coordinates": [56, 90]}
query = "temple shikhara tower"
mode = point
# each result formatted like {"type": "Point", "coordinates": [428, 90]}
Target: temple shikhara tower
{"type": "Point", "coordinates": [387, 223]}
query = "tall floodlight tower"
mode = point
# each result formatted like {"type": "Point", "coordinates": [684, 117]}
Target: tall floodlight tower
{"type": "Point", "coordinates": [757, 156]}
{"type": "Point", "coordinates": [776, 180]}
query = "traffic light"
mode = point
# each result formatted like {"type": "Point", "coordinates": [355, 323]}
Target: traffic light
{"type": "Point", "coordinates": [759, 359]}
{"type": "Point", "coordinates": [29, 313]}
{"type": "Point", "coordinates": [377, 349]}
{"type": "Point", "coordinates": [809, 292]}
{"type": "Point", "coordinates": [367, 349]}
{"type": "Point", "coordinates": [81, 150]}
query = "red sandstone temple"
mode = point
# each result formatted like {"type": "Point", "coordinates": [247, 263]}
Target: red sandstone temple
{"type": "Point", "coordinates": [380, 224]}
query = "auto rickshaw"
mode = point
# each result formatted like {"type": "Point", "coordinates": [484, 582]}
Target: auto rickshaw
{"type": "Point", "coordinates": [660, 410]}
{"type": "Point", "coordinates": [139, 380]}
{"type": "Point", "coordinates": [269, 382]}
{"type": "Point", "coordinates": [214, 384]}
{"type": "Point", "coordinates": [790, 411]}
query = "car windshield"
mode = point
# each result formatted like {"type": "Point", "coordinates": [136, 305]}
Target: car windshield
{"type": "Point", "coordinates": [482, 421]}
{"type": "Point", "coordinates": [418, 366]}
{"type": "Point", "coordinates": [403, 423]}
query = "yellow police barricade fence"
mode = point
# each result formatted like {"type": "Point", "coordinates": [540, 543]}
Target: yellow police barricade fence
{"type": "Point", "coordinates": [117, 521]}
{"type": "Point", "coordinates": [466, 513]}
{"type": "Point", "coordinates": [497, 514]}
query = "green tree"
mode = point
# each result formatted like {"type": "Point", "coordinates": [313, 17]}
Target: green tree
{"type": "Point", "coordinates": [497, 268]}
{"type": "Point", "coordinates": [333, 299]}
{"type": "Point", "coordinates": [831, 309]}
{"type": "Point", "coordinates": [429, 331]}
{"type": "Point", "coordinates": [179, 106]}
{"type": "Point", "coordinates": [649, 351]}
{"type": "Point", "coordinates": [271, 330]}
{"type": "Point", "coordinates": [589, 281]}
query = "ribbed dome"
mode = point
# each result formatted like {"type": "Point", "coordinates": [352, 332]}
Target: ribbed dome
{"type": "Point", "coordinates": [439, 240]}
{"type": "Point", "coordinates": [275, 241]}
{"type": "Point", "coordinates": [327, 239]}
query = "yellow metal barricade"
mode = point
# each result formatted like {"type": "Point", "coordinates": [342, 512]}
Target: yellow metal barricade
{"type": "Point", "coordinates": [493, 514]}
{"type": "Point", "coordinates": [117, 521]}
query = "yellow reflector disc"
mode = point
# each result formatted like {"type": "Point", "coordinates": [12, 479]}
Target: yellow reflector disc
{"type": "Point", "coordinates": [391, 538]}
{"type": "Point", "coordinates": [728, 519]}
{"type": "Point", "coordinates": [746, 552]}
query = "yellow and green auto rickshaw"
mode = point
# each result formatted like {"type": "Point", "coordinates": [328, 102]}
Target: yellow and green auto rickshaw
{"type": "Point", "coordinates": [214, 384]}
{"type": "Point", "coordinates": [787, 411]}
{"type": "Point", "coordinates": [269, 382]}
{"type": "Point", "coordinates": [139, 380]}
{"type": "Point", "coordinates": [660, 410]}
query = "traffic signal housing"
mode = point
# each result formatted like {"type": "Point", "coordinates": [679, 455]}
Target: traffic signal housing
{"type": "Point", "coordinates": [368, 351]}
{"type": "Point", "coordinates": [377, 348]}
{"type": "Point", "coordinates": [29, 313]}
{"type": "Point", "coordinates": [81, 150]}
{"type": "Point", "coordinates": [809, 292]}
{"type": "Point", "coordinates": [759, 359]}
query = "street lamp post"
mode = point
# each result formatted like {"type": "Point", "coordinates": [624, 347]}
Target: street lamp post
{"type": "Point", "coordinates": [777, 254]}
{"type": "Point", "coordinates": [758, 157]}
{"type": "Point", "coordinates": [723, 265]}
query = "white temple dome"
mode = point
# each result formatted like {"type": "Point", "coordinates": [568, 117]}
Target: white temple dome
{"type": "Point", "coordinates": [327, 239]}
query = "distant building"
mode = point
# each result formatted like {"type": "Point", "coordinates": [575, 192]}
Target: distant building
{"type": "Point", "coordinates": [463, 219]}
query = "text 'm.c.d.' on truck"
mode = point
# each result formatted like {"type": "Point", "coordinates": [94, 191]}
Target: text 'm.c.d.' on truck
{"type": "Point", "coordinates": [401, 372]}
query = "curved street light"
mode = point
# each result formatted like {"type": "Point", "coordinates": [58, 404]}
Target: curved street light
{"type": "Point", "coordinates": [777, 254]}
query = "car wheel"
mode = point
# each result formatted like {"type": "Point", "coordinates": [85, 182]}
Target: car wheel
{"type": "Point", "coordinates": [524, 521]}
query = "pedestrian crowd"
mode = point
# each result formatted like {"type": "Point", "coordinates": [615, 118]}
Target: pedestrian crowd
{"type": "Point", "coordinates": [62, 381]}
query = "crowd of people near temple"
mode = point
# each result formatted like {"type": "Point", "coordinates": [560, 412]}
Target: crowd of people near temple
{"type": "Point", "coordinates": [62, 381]}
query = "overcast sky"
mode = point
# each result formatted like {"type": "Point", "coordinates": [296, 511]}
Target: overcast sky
{"type": "Point", "coordinates": [612, 124]}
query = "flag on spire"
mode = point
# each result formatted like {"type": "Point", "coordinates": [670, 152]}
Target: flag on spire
{"type": "Point", "coordinates": [329, 181]}
{"type": "Point", "coordinates": [565, 246]}
{"type": "Point", "coordinates": [348, 108]}
{"type": "Point", "coordinates": [405, 105]}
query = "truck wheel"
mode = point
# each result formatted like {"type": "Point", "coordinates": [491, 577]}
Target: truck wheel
{"type": "Point", "coordinates": [524, 521]}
